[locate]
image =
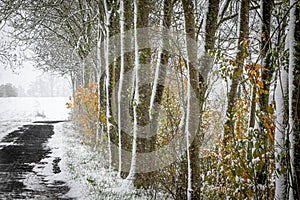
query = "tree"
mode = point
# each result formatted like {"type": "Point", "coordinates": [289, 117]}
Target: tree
{"type": "Point", "coordinates": [70, 24]}
{"type": "Point", "coordinates": [121, 83]}
{"type": "Point", "coordinates": [8, 90]}
{"type": "Point", "coordinates": [281, 112]}
{"type": "Point", "coordinates": [193, 84]}
{"type": "Point", "coordinates": [198, 80]}
{"type": "Point", "coordinates": [132, 173]}
{"type": "Point", "coordinates": [294, 103]}
{"type": "Point", "coordinates": [280, 135]}
{"type": "Point", "coordinates": [242, 43]}
{"type": "Point", "coordinates": [267, 73]}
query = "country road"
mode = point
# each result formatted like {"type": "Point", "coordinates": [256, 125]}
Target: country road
{"type": "Point", "coordinates": [20, 152]}
{"type": "Point", "coordinates": [43, 156]}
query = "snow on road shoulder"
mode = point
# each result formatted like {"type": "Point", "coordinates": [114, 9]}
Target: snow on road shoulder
{"type": "Point", "coordinates": [61, 145]}
{"type": "Point", "coordinates": [51, 170]}
{"type": "Point", "coordinates": [54, 168]}
{"type": "Point", "coordinates": [83, 169]}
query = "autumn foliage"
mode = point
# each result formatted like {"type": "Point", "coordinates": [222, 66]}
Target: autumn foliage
{"type": "Point", "coordinates": [85, 111]}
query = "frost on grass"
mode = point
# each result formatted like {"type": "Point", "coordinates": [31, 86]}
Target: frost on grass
{"type": "Point", "coordinates": [88, 173]}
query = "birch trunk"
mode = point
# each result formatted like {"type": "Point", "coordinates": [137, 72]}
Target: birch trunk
{"type": "Point", "coordinates": [132, 173]}
{"type": "Point", "coordinates": [121, 84]}
{"type": "Point", "coordinates": [107, 84]}
{"type": "Point", "coordinates": [280, 135]}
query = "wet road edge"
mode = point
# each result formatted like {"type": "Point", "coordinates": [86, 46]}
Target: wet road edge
{"type": "Point", "coordinates": [22, 150]}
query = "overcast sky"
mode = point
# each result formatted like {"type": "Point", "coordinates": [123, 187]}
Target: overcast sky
{"type": "Point", "coordinates": [21, 77]}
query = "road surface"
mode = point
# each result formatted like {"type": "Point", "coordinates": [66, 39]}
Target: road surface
{"type": "Point", "coordinates": [21, 151]}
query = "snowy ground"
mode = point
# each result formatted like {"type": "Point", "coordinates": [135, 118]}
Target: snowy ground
{"type": "Point", "coordinates": [17, 111]}
{"type": "Point", "coordinates": [80, 166]}
{"type": "Point", "coordinates": [84, 169]}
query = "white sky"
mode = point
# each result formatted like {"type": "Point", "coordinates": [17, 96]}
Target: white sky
{"type": "Point", "coordinates": [21, 77]}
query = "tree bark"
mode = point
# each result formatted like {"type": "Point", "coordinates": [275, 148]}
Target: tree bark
{"type": "Point", "coordinates": [211, 24]}
{"type": "Point", "coordinates": [193, 189]}
{"type": "Point", "coordinates": [294, 94]}
{"type": "Point", "coordinates": [144, 145]}
{"type": "Point", "coordinates": [280, 135]}
{"type": "Point", "coordinates": [243, 36]}
{"type": "Point", "coordinates": [128, 66]}
{"type": "Point", "coordinates": [266, 73]}
{"type": "Point", "coordinates": [268, 70]}
{"type": "Point", "coordinates": [198, 79]}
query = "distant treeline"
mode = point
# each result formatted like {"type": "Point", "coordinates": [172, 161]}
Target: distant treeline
{"type": "Point", "coordinates": [8, 90]}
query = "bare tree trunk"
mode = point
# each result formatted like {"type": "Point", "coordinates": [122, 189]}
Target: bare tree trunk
{"type": "Point", "coordinates": [126, 139]}
{"type": "Point", "coordinates": [253, 107]}
{"type": "Point", "coordinates": [281, 113]}
{"type": "Point", "coordinates": [144, 145]}
{"type": "Point", "coordinates": [158, 86]}
{"type": "Point", "coordinates": [198, 79]}
{"type": "Point", "coordinates": [108, 86]}
{"type": "Point", "coordinates": [193, 77]}
{"type": "Point", "coordinates": [267, 7]}
{"type": "Point", "coordinates": [193, 150]}
{"type": "Point", "coordinates": [86, 73]}
{"type": "Point", "coordinates": [266, 74]}
{"type": "Point", "coordinates": [211, 24]}
{"type": "Point", "coordinates": [280, 135]}
{"type": "Point", "coordinates": [121, 85]}
{"type": "Point", "coordinates": [132, 176]}
{"type": "Point", "coordinates": [294, 101]}
{"type": "Point", "coordinates": [243, 36]}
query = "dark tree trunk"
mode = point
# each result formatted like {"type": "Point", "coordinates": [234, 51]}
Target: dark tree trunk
{"type": "Point", "coordinates": [188, 7]}
{"type": "Point", "coordinates": [211, 24]}
{"type": "Point", "coordinates": [198, 79]}
{"type": "Point", "coordinates": [144, 145]}
{"type": "Point", "coordinates": [267, 73]}
{"type": "Point", "coordinates": [128, 66]}
{"type": "Point", "coordinates": [243, 36]}
{"type": "Point", "coordinates": [295, 101]}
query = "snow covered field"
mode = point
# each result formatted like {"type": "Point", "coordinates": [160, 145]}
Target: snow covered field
{"type": "Point", "coordinates": [17, 111]}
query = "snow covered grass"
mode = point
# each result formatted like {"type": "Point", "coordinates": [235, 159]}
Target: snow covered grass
{"type": "Point", "coordinates": [85, 169]}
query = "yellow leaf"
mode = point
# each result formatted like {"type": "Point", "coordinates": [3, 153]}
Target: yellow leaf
{"type": "Point", "coordinates": [258, 66]}
{"type": "Point", "coordinates": [269, 109]}
{"type": "Point", "coordinates": [260, 83]}
{"type": "Point", "coordinates": [270, 136]}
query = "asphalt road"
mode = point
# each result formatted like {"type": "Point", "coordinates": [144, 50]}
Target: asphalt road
{"type": "Point", "coordinates": [20, 152]}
